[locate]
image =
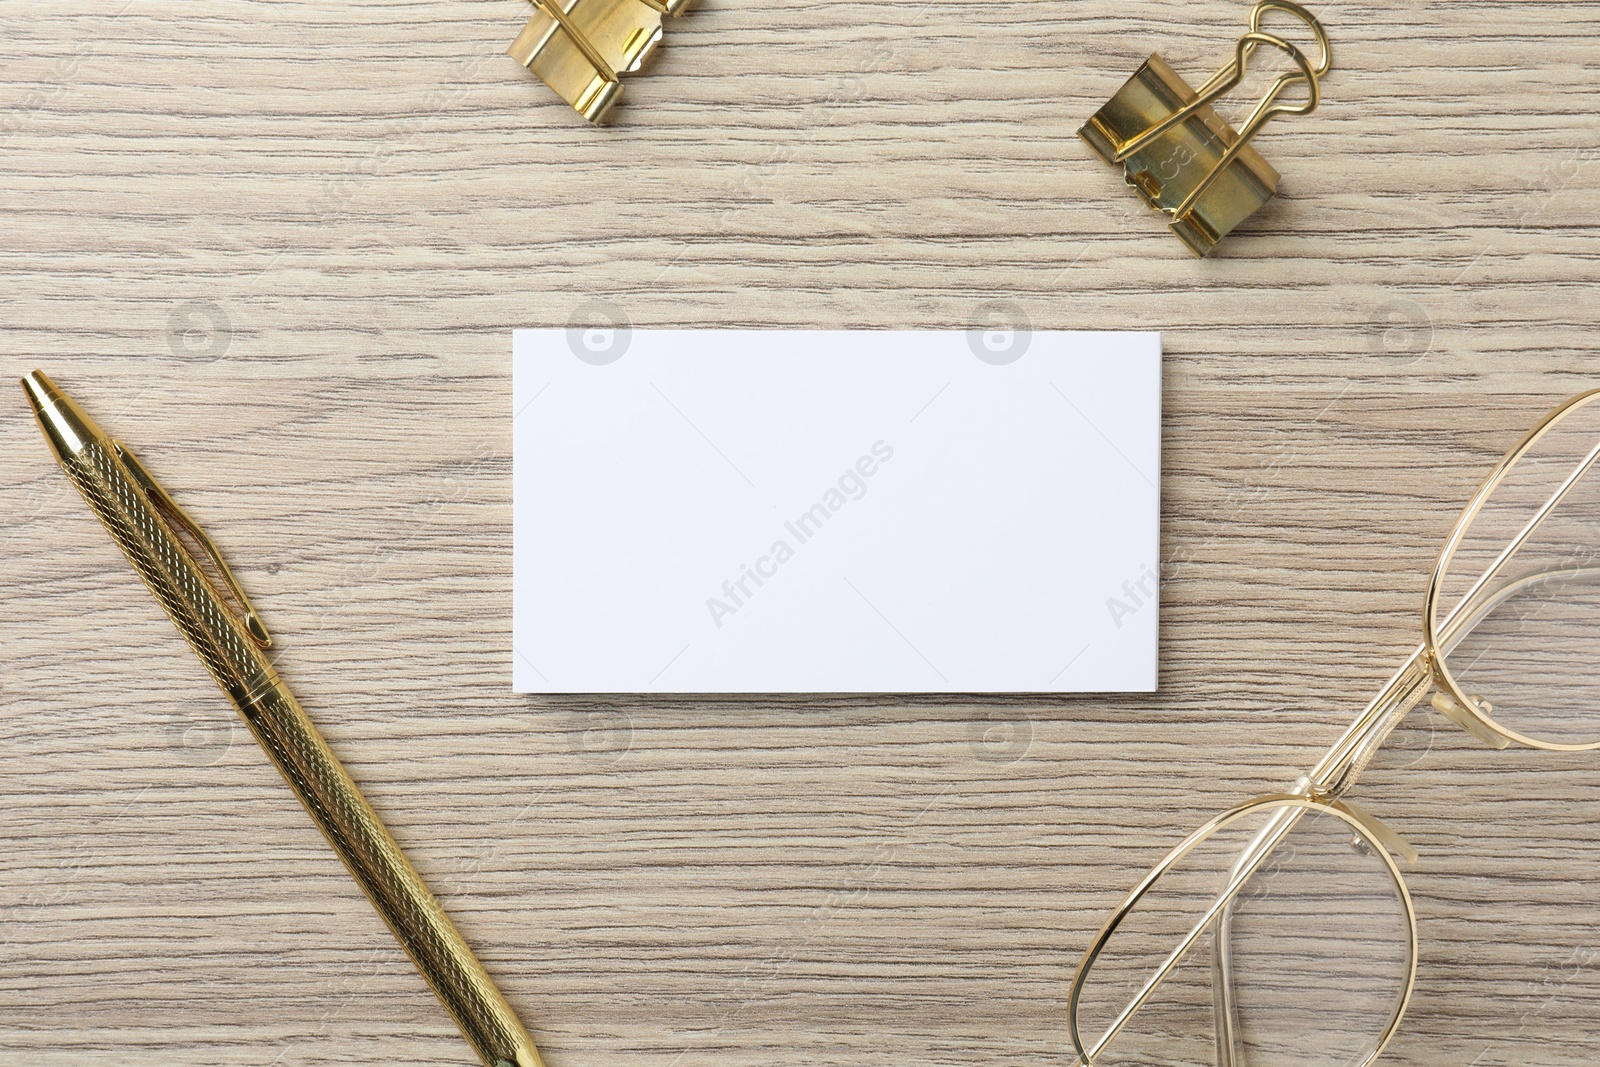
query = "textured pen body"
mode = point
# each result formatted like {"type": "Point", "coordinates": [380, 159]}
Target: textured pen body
{"type": "Point", "coordinates": [418, 921]}
{"type": "Point", "coordinates": [105, 477]}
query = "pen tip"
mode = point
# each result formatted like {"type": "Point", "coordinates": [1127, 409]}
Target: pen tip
{"type": "Point", "coordinates": [40, 389]}
{"type": "Point", "coordinates": [63, 424]}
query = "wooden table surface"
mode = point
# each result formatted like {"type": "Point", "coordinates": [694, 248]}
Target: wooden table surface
{"type": "Point", "coordinates": [279, 248]}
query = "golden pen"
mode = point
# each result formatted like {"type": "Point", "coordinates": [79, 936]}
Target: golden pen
{"type": "Point", "coordinates": [144, 522]}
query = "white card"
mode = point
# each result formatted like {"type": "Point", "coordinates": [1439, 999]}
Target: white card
{"type": "Point", "coordinates": [710, 511]}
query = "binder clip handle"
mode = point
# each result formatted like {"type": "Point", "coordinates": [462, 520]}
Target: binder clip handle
{"type": "Point", "coordinates": [1259, 12]}
{"type": "Point", "coordinates": [1228, 78]}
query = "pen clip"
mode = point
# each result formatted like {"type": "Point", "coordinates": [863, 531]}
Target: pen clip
{"type": "Point", "coordinates": [169, 508]}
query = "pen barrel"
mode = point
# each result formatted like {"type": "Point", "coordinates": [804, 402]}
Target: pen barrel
{"type": "Point", "coordinates": [396, 890]}
{"type": "Point", "coordinates": [232, 654]}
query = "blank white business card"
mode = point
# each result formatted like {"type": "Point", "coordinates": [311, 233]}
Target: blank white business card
{"type": "Point", "coordinates": [710, 511]}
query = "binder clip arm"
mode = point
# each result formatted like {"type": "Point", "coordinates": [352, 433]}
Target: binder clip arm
{"type": "Point", "coordinates": [1259, 12]}
{"type": "Point", "coordinates": [1264, 110]}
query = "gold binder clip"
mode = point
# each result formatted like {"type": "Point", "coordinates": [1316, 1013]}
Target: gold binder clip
{"type": "Point", "coordinates": [1181, 156]}
{"type": "Point", "coordinates": [582, 47]}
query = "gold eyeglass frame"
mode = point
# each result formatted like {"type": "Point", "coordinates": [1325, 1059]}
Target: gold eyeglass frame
{"type": "Point", "coordinates": [1321, 791]}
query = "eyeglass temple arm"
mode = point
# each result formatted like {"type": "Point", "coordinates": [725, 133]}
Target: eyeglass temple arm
{"type": "Point", "coordinates": [1251, 859]}
{"type": "Point", "coordinates": [1229, 1044]}
{"type": "Point", "coordinates": [1225, 1009]}
{"type": "Point", "coordinates": [1236, 881]}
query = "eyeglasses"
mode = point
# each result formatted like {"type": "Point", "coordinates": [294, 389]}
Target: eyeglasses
{"type": "Point", "coordinates": [1281, 933]}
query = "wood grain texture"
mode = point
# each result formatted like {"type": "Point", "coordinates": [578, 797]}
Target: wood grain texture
{"type": "Point", "coordinates": [279, 248]}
